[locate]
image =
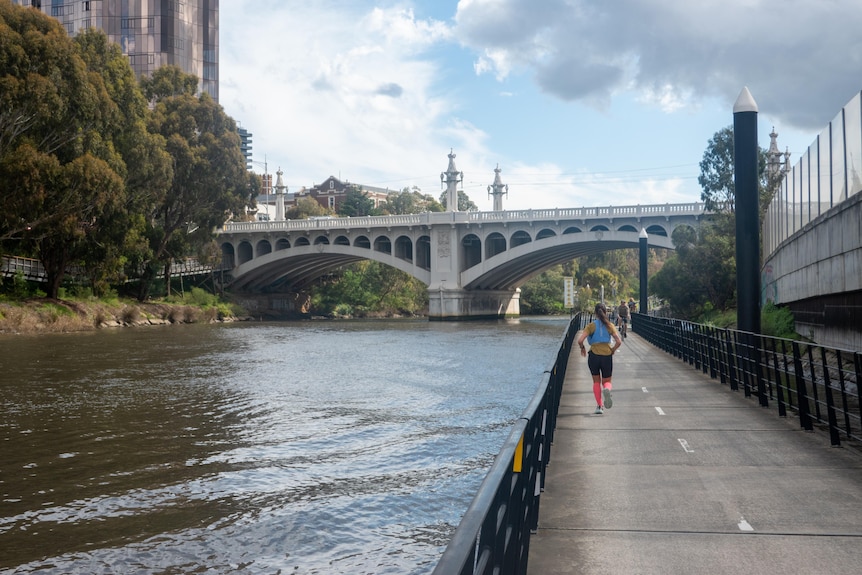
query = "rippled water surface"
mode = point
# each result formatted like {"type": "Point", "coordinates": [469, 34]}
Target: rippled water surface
{"type": "Point", "coordinates": [321, 447]}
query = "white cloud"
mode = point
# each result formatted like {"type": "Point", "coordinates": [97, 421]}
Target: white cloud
{"type": "Point", "coordinates": [802, 59]}
{"type": "Point", "coordinates": [379, 95]}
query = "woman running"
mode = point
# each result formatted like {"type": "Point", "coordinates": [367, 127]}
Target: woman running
{"type": "Point", "coordinates": [600, 333]}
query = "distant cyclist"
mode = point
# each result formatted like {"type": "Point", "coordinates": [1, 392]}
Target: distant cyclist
{"type": "Point", "coordinates": [623, 317]}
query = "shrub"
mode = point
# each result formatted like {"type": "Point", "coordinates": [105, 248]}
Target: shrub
{"type": "Point", "coordinates": [778, 322]}
{"type": "Point", "coordinates": [130, 314]}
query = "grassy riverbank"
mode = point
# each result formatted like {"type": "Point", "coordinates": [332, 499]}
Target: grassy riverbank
{"type": "Point", "coordinates": [44, 315]}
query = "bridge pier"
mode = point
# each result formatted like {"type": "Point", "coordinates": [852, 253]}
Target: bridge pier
{"type": "Point", "coordinates": [459, 304]}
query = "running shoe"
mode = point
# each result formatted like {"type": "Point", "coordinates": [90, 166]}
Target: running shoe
{"type": "Point", "coordinates": [607, 398]}
{"type": "Point", "coordinates": [599, 410]}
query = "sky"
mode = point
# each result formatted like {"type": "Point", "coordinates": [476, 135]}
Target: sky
{"type": "Point", "coordinates": [578, 102]}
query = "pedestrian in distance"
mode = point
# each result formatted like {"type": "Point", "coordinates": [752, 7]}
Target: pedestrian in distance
{"type": "Point", "coordinates": [604, 342]}
{"type": "Point", "coordinates": [623, 318]}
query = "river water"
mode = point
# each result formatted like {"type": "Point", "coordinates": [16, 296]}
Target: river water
{"type": "Point", "coordinates": [260, 448]}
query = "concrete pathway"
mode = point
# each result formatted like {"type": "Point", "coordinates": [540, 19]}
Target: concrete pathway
{"type": "Point", "coordinates": [684, 476]}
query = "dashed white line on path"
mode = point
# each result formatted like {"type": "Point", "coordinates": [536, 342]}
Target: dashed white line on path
{"type": "Point", "coordinates": [685, 446]}
{"type": "Point", "coordinates": [660, 412]}
{"type": "Point", "coordinates": [645, 390]}
{"type": "Point", "coordinates": [744, 525]}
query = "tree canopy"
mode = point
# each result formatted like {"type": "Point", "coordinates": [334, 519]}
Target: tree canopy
{"type": "Point", "coordinates": [356, 203]}
{"type": "Point", "coordinates": [409, 201]}
{"type": "Point", "coordinates": [465, 204]}
{"type": "Point", "coordinates": [90, 175]}
{"type": "Point", "coordinates": [60, 172]}
{"type": "Point", "coordinates": [210, 180]}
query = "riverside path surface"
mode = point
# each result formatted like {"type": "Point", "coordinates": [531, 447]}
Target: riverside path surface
{"type": "Point", "coordinates": [684, 476]}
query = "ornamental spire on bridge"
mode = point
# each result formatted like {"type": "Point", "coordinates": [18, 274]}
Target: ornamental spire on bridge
{"type": "Point", "coordinates": [452, 177]}
{"type": "Point", "coordinates": [497, 190]}
{"type": "Point", "coordinates": [280, 188]}
{"type": "Point", "coordinates": [775, 167]}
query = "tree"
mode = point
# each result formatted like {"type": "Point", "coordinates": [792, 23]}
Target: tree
{"type": "Point", "coordinates": [543, 295]}
{"type": "Point", "coordinates": [356, 203]}
{"type": "Point", "coordinates": [368, 287]}
{"type": "Point", "coordinates": [210, 180]}
{"type": "Point", "coordinates": [145, 167]}
{"type": "Point", "coordinates": [409, 201]}
{"type": "Point", "coordinates": [716, 177]}
{"type": "Point", "coordinates": [306, 208]}
{"type": "Point", "coordinates": [701, 275]}
{"type": "Point", "coordinates": [597, 277]}
{"type": "Point", "coordinates": [716, 172]}
{"type": "Point", "coordinates": [465, 204]}
{"type": "Point", "coordinates": [59, 177]}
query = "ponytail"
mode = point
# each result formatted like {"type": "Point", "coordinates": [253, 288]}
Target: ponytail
{"type": "Point", "coordinates": [602, 315]}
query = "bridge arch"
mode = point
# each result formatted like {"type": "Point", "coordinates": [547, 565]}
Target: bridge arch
{"type": "Point", "coordinates": [383, 244]}
{"type": "Point", "coordinates": [321, 240]}
{"type": "Point", "coordinates": [423, 252]}
{"type": "Point", "coordinates": [545, 233]}
{"type": "Point", "coordinates": [263, 247]}
{"type": "Point", "coordinates": [297, 269]}
{"type": "Point", "coordinates": [472, 250]}
{"type": "Point", "coordinates": [495, 244]}
{"type": "Point", "coordinates": [301, 241]}
{"type": "Point", "coordinates": [282, 244]}
{"type": "Point", "coordinates": [404, 248]}
{"type": "Point", "coordinates": [520, 238]}
{"type": "Point", "coordinates": [362, 242]}
{"type": "Point", "coordinates": [656, 230]}
{"type": "Point", "coordinates": [342, 241]}
{"type": "Point", "coordinates": [245, 253]}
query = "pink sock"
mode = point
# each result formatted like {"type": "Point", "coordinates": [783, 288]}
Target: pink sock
{"type": "Point", "coordinates": [597, 391]}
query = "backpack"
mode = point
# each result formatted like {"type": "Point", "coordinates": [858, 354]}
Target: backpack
{"type": "Point", "coordinates": [600, 335]}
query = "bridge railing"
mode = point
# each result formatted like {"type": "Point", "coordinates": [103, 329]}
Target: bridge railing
{"type": "Point", "coordinates": [33, 270]}
{"type": "Point", "coordinates": [494, 533]}
{"type": "Point", "coordinates": [427, 218]}
{"type": "Point", "coordinates": [30, 268]}
{"type": "Point", "coordinates": [819, 384]}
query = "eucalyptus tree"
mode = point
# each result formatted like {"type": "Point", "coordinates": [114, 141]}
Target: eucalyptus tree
{"type": "Point", "coordinates": [209, 181]}
{"type": "Point", "coordinates": [411, 201]}
{"type": "Point", "coordinates": [145, 164]}
{"type": "Point", "coordinates": [58, 176]}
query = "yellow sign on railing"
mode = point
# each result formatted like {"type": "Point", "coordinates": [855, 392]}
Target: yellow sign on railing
{"type": "Point", "coordinates": [519, 456]}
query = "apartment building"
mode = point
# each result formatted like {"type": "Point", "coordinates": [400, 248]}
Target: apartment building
{"type": "Point", "coordinates": [152, 33]}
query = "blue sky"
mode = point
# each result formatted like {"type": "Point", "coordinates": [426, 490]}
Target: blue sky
{"type": "Point", "coordinates": [579, 102]}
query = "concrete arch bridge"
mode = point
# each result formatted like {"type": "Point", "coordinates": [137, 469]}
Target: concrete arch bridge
{"type": "Point", "coordinates": [472, 262]}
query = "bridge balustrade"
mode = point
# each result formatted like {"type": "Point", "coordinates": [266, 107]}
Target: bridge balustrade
{"type": "Point", "coordinates": [694, 209]}
{"type": "Point", "coordinates": [494, 533]}
{"type": "Point", "coordinates": [820, 384]}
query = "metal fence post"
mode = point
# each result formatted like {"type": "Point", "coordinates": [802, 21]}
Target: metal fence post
{"type": "Point", "coordinates": [801, 393]}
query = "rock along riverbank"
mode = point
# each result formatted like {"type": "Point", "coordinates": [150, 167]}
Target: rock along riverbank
{"type": "Point", "coordinates": [42, 315]}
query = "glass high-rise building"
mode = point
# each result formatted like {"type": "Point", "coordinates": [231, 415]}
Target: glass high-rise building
{"type": "Point", "coordinates": [152, 33]}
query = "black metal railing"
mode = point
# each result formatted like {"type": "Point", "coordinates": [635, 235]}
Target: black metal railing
{"type": "Point", "coordinates": [494, 533]}
{"type": "Point", "coordinates": [819, 384]}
